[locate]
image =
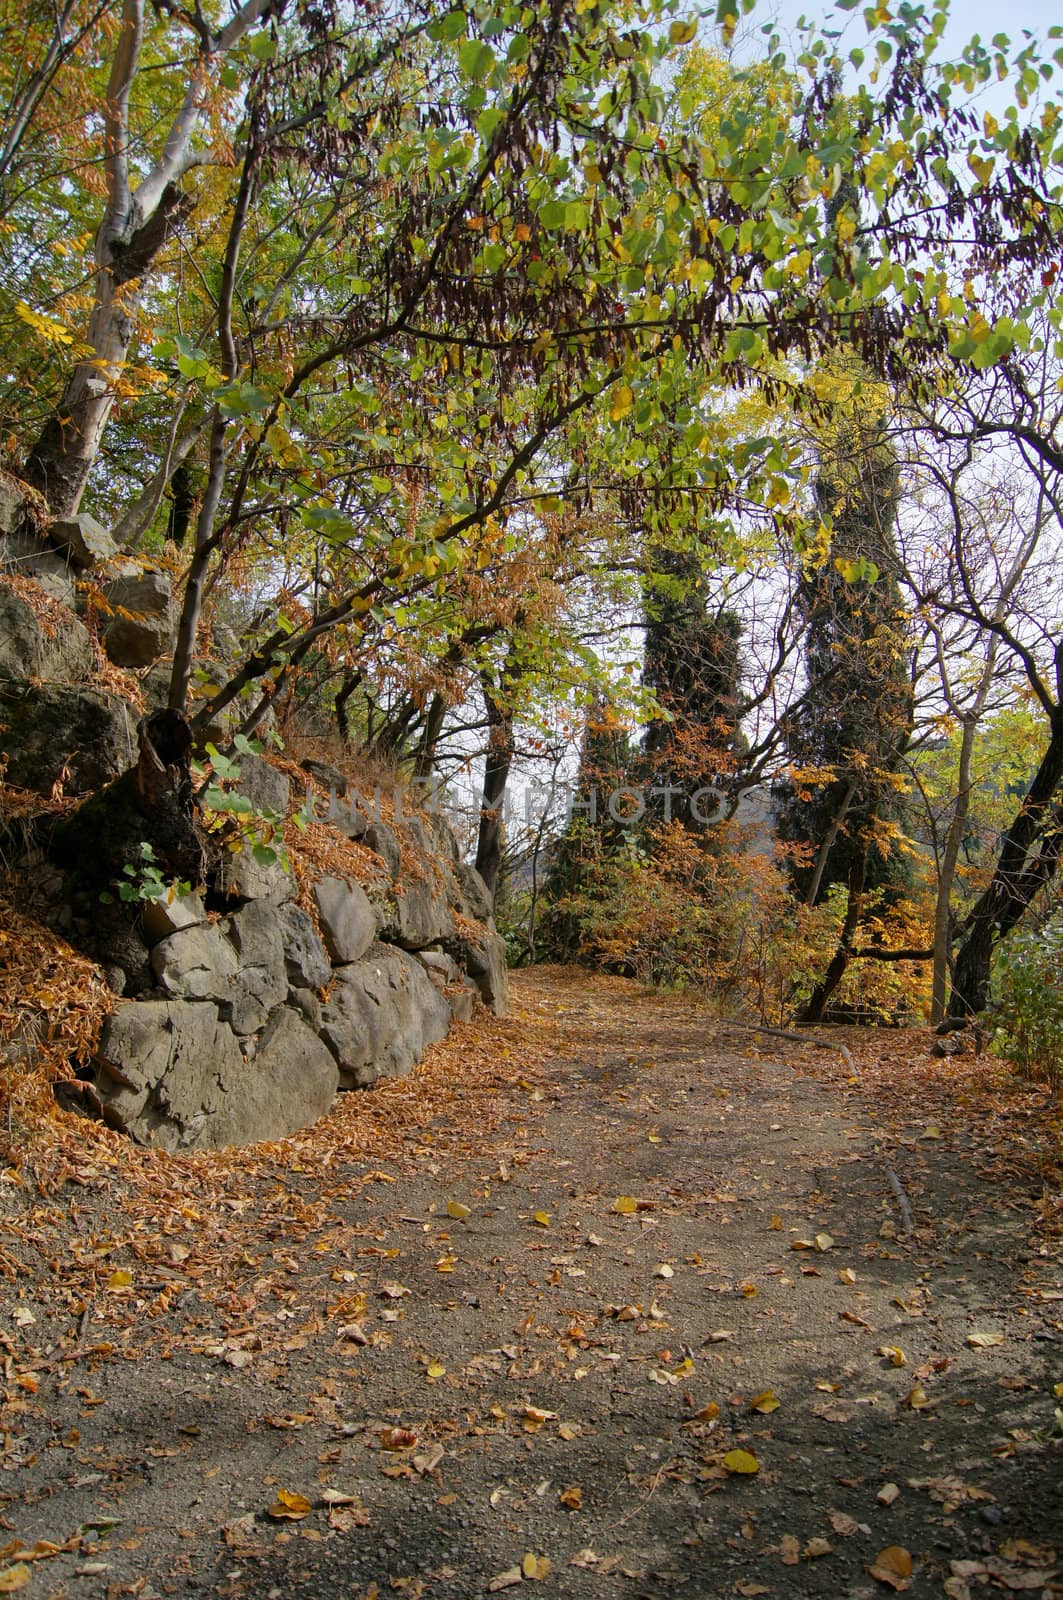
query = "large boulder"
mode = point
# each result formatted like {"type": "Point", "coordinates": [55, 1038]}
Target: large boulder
{"type": "Point", "coordinates": [475, 898]}
{"type": "Point", "coordinates": [142, 617]}
{"type": "Point", "coordinates": [80, 737]}
{"type": "Point", "coordinates": [268, 790]}
{"type": "Point", "coordinates": [84, 541]}
{"type": "Point", "coordinates": [485, 962]}
{"type": "Point", "coordinates": [35, 647]}
{"type": "Point", "coordinates": [242, 875]}
{"type": "Point", "coordinates": [348, 921]}
{"type": "Point", "coordinates": [195, 963]}
{"type": "Point", "coordinates": [172, 1074]}
{"type": "Point", "coordinates": [261, 980]}
{"type": "Point", "coordinates": [416, 913]}
{"type": "Point", "coordinates": [381, 1015]}
{"type": "Point", "coordinates": [305, 960]}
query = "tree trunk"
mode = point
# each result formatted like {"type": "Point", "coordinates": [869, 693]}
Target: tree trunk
{"type": "Point", "coordinates": [947, 873]}
{"type": "Point", "coordinates": [816, 1004]}
{"type": "Point", "coordinates": [1018, 878]}
{"type": "Point", "coordinates": [500, 750]}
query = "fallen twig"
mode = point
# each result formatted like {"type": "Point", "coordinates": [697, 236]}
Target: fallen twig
{"type": "Point", "coordinates": [800, 1038]}
{"type": "Point", "coordinates": [902, 1199]}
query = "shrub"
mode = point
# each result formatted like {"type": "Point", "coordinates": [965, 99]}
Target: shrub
{"type": "Point", "coordinates": [1026, 1001]}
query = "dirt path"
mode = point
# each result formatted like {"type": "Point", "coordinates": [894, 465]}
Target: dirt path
{"type": "Point", "coordinates": [675, 1249]}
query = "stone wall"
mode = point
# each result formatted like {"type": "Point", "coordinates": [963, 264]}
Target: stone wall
{"type": "Point", "coordinates": [246, 1005]}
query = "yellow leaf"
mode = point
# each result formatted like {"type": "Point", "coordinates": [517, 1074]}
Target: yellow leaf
{"type": "Point", "coordinates": [120, 1279]}
{"type": "Point", "coordinates": [775, 1224]}
{"type": "Point", "coordinates": [522, 232]}
{"type": "Point", "coordinates": [893, 1566]}
{"type": "Point", "coordinates": [542, 1218]}
{"type": "Point", "coordinates": [750, 1290]}
{"type": "Point", "coordinates": [536, 1567]}
{"type": "Point", "coordinates": [446, 1263]}
{"type": "Point", "coordinates": [623, 400]}
{"type": "Point", "coordinates": [893, 1354]}
{"type": "Point", "coordinates": [625, 1204]}
{"type": "Point", "coordinates": [846, 1275]}
{"type": "Point", "coordinates": [572, 1498]}
{"type": "Point", "coordinates": [823, 1241]}
{"type": "Point", "coordinates": [654, 1138]}
{"type": "Point", "coordinates": [766, 1401]}
{"type": "Point", "coordinates": [742, 1461]}
{"type": "Point", "coordinates": [917, 1398]}
{"type": "Point", "coordinates": [289, 1507]}
{"type": "Point", "coordinates": [664, 1271]}
{"type": "Point", "coordinates": [15, 1577]}
{"type": "Point", "coordinates": [456, 1210]}
{"type": "Point", "coordinates": [435, 1369]}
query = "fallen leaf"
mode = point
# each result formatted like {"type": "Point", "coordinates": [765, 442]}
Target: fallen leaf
{"type": "Point", "coordinates": [429, 1459]}
{"type": "Point", "coordinates": [572, 1498]}
{"type": "Point", "coordinates": [397, 1438]}
{"type": "Point", "coordinates": [917, 1399]}
{"type": "Point", "coordinates": [435, 1369]}
{"type": "Point", "coordinates": [741, 1461]}
{"type": "Point", "coordinates": [120, 1279]}
{"type": "Point", "coordinates": [458, 1211]}
{"type": "Point", "coordinates": [843, 1523]}
{"type": "Point", "coordinates": [446, 1263]}
{"type": "Point", "coordinates": [289, 1507]}
{"type": "Point", "coordinates": [846, 1275]}
{"type": "Point", "coordinates": [541, 1218]}
{"type": "Point", "coordinates": [888, 1494]}
{"type": "Point", "coordinates": [893, 1354]}
{"type": "Point", "coordinates": [815, 1548]}
{"type": "Point", "coordinates": [338, 1497]}
{"type": "Point", "coordinates": [505, 1580]}
{"type": "Point", "coordinates": [893, 1566]}
{"type": "Point", "coordinates": [719, 1336]}
{"type": "Point", "coordinates": [789, 1550]}
{"type": "Point", "coordinates": [392, 1291]}
{"type": "Point", "coordinates": [823, 1241]}
{"type": "Point", "coordinates": [984, 1341]}
{"type": "Point", "coordinates": [765, 1402]}
{"type": "Point", "coordinates": [625, 1204]}
{"type": "Point", "coordinates": [664, 1271]}
{"type": "Point", "coordinates": [536, 1567]}
{"type": "Point", "coordinates": [15, 1577]}
{"type": "Point", "coordinates": [746, 1588]}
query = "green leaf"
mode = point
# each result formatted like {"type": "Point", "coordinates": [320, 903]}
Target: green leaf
{"type": "Point", "coordinates": [476, 60]}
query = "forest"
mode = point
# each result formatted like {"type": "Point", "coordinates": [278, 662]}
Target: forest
{"type": "Point", "coordinates": [643, 430]}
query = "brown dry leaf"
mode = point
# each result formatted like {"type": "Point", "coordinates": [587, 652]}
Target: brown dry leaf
{"type": "Point", "coordinates": [289, 1507]}
{"type": "Point", "coordinates": [984, 1341]}
{"type": "Point", "coordinates": [397, 1438]}
{"type": "Point", "coordinates": [846, 1275]}
{"type": "Point", "coordinates": [893, 1566]}
{"type": "Point", "coordinates": [241, 1533]}
{"type": "Point", "coordinates": [567, 1430]}
{"type": "Point", "coordinates": [505, 1580]}
{"type": "Point", "coordinates": [344, 1519]}
{"type": "Point", "coordinates": [585, 1558]}
{"type": "Point", "coordinates": [536, 1567]}
{"type": "Point", "coordinates": [429, 1459]}
{"type": "Point", "coordinates": [572, 1497]}
{"type": "Point", "coordinates": [888, 1494]}
{"type": "Point", "coordinates": [15, 1577]}
{"type": "Point", "coordinates": [956, 1589]}
{"type": "Point", "coordinates": [789, 1550]}
{"type": "Point", "coordinates": [392, 1291]}
{"type": "Point", "coordinates": [843, 1523]}
{"type": "Point", "coordinates": [815, 1548]}
{"type": "Point", "coordinates": [823, 1241]}
{"type": "Point", "coordinates": [748, 1589]}
{"type": "Point", "coordinates": [337, 1497]}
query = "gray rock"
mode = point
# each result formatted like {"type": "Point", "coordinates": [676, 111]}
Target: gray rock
{"type": "Point", "coordinates": [82, 539]}
{"type": "Point", "coordinates": [381, 1015]}
{"type": "Point", "coordinates": [307, 1003]}
{"type": "Point", "coordinates": [29, 649]}
{"type": "Point", "coordinates": [159, 918]}
{"type": "Point", "coordinates": [438, 961]}
{"type": "Point", "coordinates": [83, 737]}
{"type": "Point", "coordinates": [261, 980]}
{"type": "Point", "coordinates": [462, 1002]}
{"type": "Point", "coordinates": [171, 1074]}
{"type": "Point", "coordinates": [348, 920]}
{"type": "Point", "coordinates": [306, 963]}
{"type": "Point", "coordinates": [196, 963]}
{"type": "Point", "coordinates": [347, 818]}
{"type": "Point", "coordinates": [268, 790]}
{"type": "Point", "coordinates": [22, 551]}
{"type": "Point", "coordinates": [383, 840]}
{"type": "Point", "coordinates": [242, 877]}
{"type": "Point", "coordinates": [143, 618]}
{"type": "Point", "coordinates": [331, 779]}
{"type": "Point", "coordinates": [485, 962]}
{"type": "Point", "coordinates": [476, 899]}
{"type": "Point", "coordinates": [12, 504]}
{"type": "Point", "coordinates": [416, 914]}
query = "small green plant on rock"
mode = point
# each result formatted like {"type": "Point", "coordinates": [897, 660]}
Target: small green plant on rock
{"type": "Point", "coordinates": [142, 880]}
